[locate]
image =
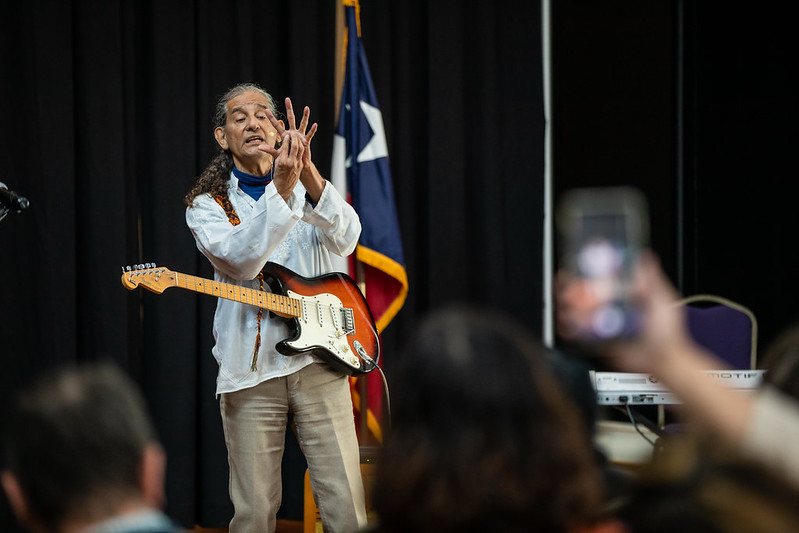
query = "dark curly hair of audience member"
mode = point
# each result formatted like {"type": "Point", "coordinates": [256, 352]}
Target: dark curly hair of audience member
{"type": "Point", "coordinates": [781, 361]}
{"type": "Point", "coordinates": [482, 438]}
{"type": "Point", "coordinates": [697, 485]}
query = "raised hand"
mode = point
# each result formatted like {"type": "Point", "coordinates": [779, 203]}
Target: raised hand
{"type": "Point", "coordinates": [298, 137]}
{"type": "Point", "coordinates": [307, 134]}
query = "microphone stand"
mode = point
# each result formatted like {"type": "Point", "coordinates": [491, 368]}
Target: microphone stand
{"type": "Point", "coordinates": [9, 200]}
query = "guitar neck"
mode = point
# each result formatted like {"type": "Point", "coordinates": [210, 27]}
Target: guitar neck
{"type": "Point", "coordinates": [280, 305]}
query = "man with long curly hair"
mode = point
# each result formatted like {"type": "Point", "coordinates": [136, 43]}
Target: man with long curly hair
{"type": "Point", "coordinates": [263, 199]}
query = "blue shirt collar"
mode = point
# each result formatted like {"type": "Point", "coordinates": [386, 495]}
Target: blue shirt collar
{"type": "Point", "coordinates": [253, 185]}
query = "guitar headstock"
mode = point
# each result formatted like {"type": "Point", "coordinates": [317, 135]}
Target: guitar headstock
{"type": "Point", "coordinates": [152, 278]}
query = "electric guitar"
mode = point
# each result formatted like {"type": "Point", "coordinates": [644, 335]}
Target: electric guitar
{"type": "Point", "coordinates": [327, 315]}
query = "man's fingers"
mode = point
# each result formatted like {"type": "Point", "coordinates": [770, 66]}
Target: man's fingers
{"type": "Point", "coordinates": [293, 144]}
{"type": "Point", "coordinates": [277, 124]}
{"type": "Point", "coordinates": [297, 147]}
{"type": "Point", "coordinates": [268, 149]}
{"type": "Point", "coordinates": [306, 113]}
{"type": "Point", "coordinates": [290, 114]}
{"type": "Point", "coordinates": [311, 133]}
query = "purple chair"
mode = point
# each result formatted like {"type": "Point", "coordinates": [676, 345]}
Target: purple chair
{"type": "Point", "coordinates": [723, 327]}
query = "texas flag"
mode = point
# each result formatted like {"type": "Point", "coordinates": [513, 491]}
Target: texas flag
{"type": "Point", "coordinates": [360, 171]}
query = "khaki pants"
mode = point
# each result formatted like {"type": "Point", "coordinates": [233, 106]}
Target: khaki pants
{"type": "Point", "coordinates": [254, 422]}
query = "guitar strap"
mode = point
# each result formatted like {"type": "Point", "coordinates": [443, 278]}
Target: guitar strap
{"type": "Point", "coordinates": [224, 202]}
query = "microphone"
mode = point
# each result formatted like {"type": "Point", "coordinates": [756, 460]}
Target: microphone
{"type": "Point", "coordinates": [11, 200]}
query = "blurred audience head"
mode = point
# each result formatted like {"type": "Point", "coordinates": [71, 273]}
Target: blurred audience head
{"type": "Point", "coordinates": [80, 448]}
{"type": "Point", "coordinates": [699, 486]}
{"type": "Point", "coordinates": [781, 362]}
{"type": "Point", "coordinates": [482, 437]}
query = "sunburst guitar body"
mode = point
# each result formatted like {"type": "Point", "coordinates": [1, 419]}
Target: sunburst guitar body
{"type": "Point", "coordinates": [327, 315]}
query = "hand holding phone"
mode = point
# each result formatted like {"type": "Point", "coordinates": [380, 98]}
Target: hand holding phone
{"type": "Point", "coordinates": [602, 233]}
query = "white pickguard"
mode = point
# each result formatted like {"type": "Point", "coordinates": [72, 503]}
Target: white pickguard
{"type": "Point", "coordinates": [323, 323]}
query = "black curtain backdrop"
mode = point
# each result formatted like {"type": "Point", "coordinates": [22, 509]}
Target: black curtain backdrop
{"type": "Point", "coordinates": [696, 104]}
{"type": "Point", "coordinates": [614, 100]}
{"type": "Point", "coordinates": [107, 121]}
{"type": "Point", "coordinates": [741, 118]}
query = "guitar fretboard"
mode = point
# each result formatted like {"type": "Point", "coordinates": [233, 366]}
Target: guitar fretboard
{"type": "Point", "coordinates": [277, 303]}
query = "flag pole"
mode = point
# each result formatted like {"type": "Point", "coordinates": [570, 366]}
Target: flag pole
{"type": "Point", "coordinates": [340, 51]}
{"type": "Point", "coordinates": [360, 278]}
{"type": "Point", "coordinates": [363, 418]}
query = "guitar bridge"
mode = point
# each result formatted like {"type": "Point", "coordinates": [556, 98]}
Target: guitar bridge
{"type": "Point", "coordinates": [349, 320]}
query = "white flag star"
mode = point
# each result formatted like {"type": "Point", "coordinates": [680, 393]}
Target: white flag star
{"type": "Point", "coordinates": [377, 146]}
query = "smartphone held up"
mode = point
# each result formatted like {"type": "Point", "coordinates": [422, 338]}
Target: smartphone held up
{"type": "Point", "coordinates": [602, 232]}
